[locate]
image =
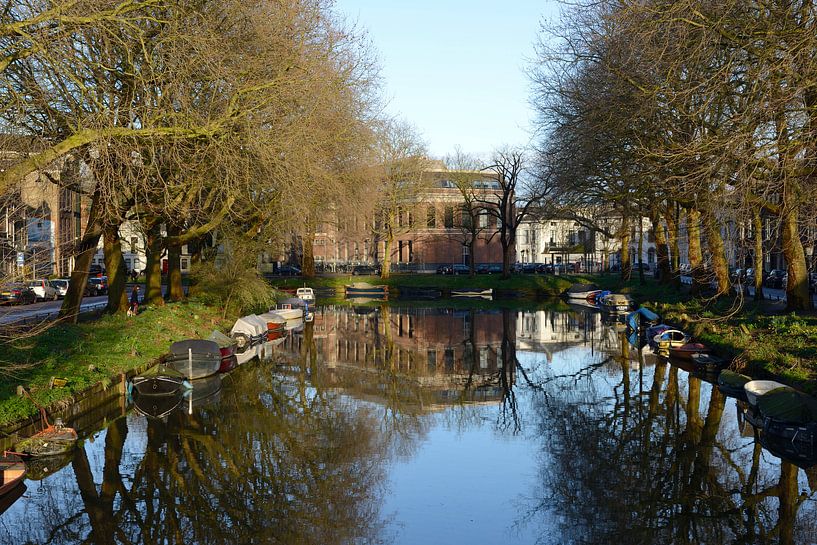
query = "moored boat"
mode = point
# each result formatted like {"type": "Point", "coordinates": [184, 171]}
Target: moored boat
{"type": "Point", "coordinates": [732, 383]}
{"type": "Point", "coordinates": [707, 361]}
{"type": "Point", "coordinates": [227, 348]}
{"type": "Point", "coordinates": [755, 389]}
{"type": "Point", "coordinates": [12, 472]}
{"type": "Point", "coordinates": [685, 351]}
{"type": "Point", "coordinates": [158, 380]}
{"type": "Point", "coordinates": [669, 338]}
{"type": "Point", "coordinates": [290, 316]}
{"type": "Point", "coordinates": [248, 331]}
{"type": "Point", "coordinates": [194, 358]}
{"type": "Point", "coordinates": [364, 289]}
{"type": "Point", "coordinates": [53, 440]}
{"type": "Point", "coordinates": [615, 302]}
{"type": "Point", "coordinates": [581, 292]}
{"type": "Point", "coordinates": [306, 294]}
{"type": "Point", "coordinates": [789, 414]}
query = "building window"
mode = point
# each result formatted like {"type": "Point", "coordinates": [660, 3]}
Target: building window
{"type": "Point", "coordinates": [448, 217]}
{"type": "Point", "coordinates": [651, 256]}
{"type": "Point", "coordinates": [465, 216]}
{"type": "Point", "coordinates": [483, 220]}
{"type": "Point", "coordinates": [185, 264]}
{"type": "Point", "coordinates": [431, 217]}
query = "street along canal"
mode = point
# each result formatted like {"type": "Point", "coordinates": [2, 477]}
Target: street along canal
{"type": "Point", "coordinates": [429, 425]}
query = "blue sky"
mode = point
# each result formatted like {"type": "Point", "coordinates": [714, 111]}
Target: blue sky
{"type": "Point", "coordinates": [455, 68]}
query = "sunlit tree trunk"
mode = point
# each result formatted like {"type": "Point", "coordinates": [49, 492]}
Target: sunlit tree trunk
{"type": "Point", "coordinates": [757, 221]}
{"type": "Point", "coordinates": [716, 249]}
{"type": "Point", "coordinates": [797, 292]}
{"type": "Point", "coordinates": [153, 269]}
{"type": "Point", "coordinates": [675, 259]}
{"type": "Point", "coordinates": [115, 266]}
{"type": "Point", "coordinates": [82, 262]}
{"type": "Point", "coordinates": [388, 240]}
{"type": "Point", "coordinates": [308, 259]}
{"type": "Point", "coordinates": [695, 255]}
{"type": "Point", "coordinates": [661, 248]}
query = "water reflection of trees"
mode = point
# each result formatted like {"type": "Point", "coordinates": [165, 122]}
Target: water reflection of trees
{"type": "Point", "coordinates": [651, 461]}
{"type": "Point", "coordinates": [271, 463]}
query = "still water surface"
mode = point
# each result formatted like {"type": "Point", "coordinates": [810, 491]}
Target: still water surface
{"type": "Point", "coordinates": [409, 426]}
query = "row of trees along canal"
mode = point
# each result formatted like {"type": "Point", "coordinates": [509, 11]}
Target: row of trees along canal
{"type": "Point", "coordinates": [193, 117]}
{"type": "Point", "coordinates": [690, 113]}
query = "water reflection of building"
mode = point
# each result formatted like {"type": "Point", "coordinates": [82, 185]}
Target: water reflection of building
{"type": "Point", "coordinates": [452, 355]}
{"type": "Point", "coordinates": [549, 331]}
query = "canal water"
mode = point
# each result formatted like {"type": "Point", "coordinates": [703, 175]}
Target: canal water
{"type": "Point", "coordinates": [430, 426]}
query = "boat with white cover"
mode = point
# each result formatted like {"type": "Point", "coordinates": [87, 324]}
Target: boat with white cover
{"type": "Point", "coordinates": [755, 389]}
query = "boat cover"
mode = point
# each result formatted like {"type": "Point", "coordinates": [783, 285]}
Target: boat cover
{"type": "Point", "coordinates": [198, 346]}
{"type": "Point", "coordinates": [582, 288]}
{"type": "Point", "coordinates": [643, 313]}
{"type": "Point", "coordinates": [731, 379]}
{"type": "Point", "coordinates": [788, 405]}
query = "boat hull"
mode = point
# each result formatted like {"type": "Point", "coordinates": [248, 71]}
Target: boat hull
{"type": "Point", "coordinates": [756, 388]}
{"type": "Point", "coordinates": [12, 472]}
{"type": "Point", "coordinates": [52, 441]}
{"type": "Point", "coordinates": [157, 385]}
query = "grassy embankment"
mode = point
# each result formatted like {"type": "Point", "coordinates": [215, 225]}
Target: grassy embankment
{"type": "Point", "coordinates": [764, 342]}
{"type": "Point", "coordinates": [94, 351]}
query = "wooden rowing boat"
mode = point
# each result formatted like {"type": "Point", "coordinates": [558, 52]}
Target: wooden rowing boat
{"type": "Point", "coordinates": [12, 472]}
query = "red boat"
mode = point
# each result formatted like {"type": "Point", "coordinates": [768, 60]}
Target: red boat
{"type": "Point", "coordinates": [685, 351]}
{"type": "Point", "coordinates": [12, 472]}
{"type": "Point", "coordinates": [228, 359]}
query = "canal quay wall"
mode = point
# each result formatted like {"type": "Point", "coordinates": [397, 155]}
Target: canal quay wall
{"type": "Point", "coordinates": [86, 411]}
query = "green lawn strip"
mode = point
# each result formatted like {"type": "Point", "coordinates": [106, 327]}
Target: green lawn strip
{"type": "Point", "coordinates": [92, 352]}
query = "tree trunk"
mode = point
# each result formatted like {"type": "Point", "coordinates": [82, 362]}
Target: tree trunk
{"type": "Point", "coordinates": [507, 245]}
{"type": "Point", "coordinates": [115, 265]}
{"type": "Point", "coordinates": [153, 269]}
{"type": "Point", "coordinates": [671, 218]}
{"type": "Point", "coordinates": [471, 259]}
{"type": "Point", "coordinates": [695, 256]}
{"type": "Point", "coordinates": [758, 258]}
{"type": "Point", "coordinates": [308, 260]}
{"type": "Point", "coordinates": [716, 249]}
{"type": "Point", "coordinates": [661, 249]}
{"type": "Point", "coordinates": [626, 264]}
{"type": "Point", "coordinates": [174, 268]}
{"type": "Point", "coordinates": [385, 268]}
{"type": "Point", "coordinates": [82, 262]}
{"type": "Point", "coordinates": [641, 249]}
{"type": "Point", "coordinates": [797, 293]}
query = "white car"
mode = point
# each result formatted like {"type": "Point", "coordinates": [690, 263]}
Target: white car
{"type": "Point", "coordinates": [43, 290]}
{"type": "Point", "coordinates": [61, 285]}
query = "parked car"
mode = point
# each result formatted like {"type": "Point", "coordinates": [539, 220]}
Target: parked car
{"type": "Point", "coordinates": [61, 285]}
{"type": "Point", "coordinates": [96, 270]}
{"type": "Point", "coordinates": [97, 286]}
{"type": "Point", "coordinates": [775, 279]}
{"type": "Point", "coordinates": [738, 275]}
{"type": "Point", "coordinates": [444, 269]}
{"type": "Point", "coordinates": [459, 268]}
{"type": "Point", "coordinates": [489, 269]}
{"type": "Point", "coordinates": [289, 270]}
{"type": "Point", "coordinates": [43, 290]}
{"type": "Point", "coordinates": [361, 270]}
{"type": "Point", "coordinates": [16, 293]}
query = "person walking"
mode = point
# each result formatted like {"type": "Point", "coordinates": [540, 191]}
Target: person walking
{"type": "Point", "coordinates": [134, 301]}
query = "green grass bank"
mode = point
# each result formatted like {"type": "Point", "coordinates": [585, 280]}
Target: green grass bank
{"type": "Point", "coordinates": [94, 351]}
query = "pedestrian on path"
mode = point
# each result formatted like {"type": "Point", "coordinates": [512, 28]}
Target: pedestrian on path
{"type": "Point", "coordinates": [134, 301]}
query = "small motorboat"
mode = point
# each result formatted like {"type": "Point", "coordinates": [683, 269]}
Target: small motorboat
{"type": "Point", "coordinates": [685, 351]}
{"type": "Point", "coordinates": [708, 362]}
{"type": "Point", "coordinates": [364, 289]}
{"type": "Point", "coordinates": [670, 338]}
{"type": "Point", "coordinates": [615, 302]}
{"type": "Point", "coordinates": [280, 319]}
{"type": "Point", "coordinates": [249, 331]}
{"type": "Point", "coordinates": [227, 348]}
{"type": "Point", "coordinates": [12, 472]}
{"type": "Point", "coordinates": [581, 292]}
{"type": "Point", "coordinates": [194, 358]}
{"type": "Point", "coordinates": [306, 294]}
{"type": "Point", "coordinates": [755, 389]}
{"type": "Point", "coordinates": [53, 440]}
{"type": "Point", "coordinates": [159, 380]}
{"type": "Point", "coordinates": [732, 383]}
{"type": "Point", "coordinates": [789, 414]}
